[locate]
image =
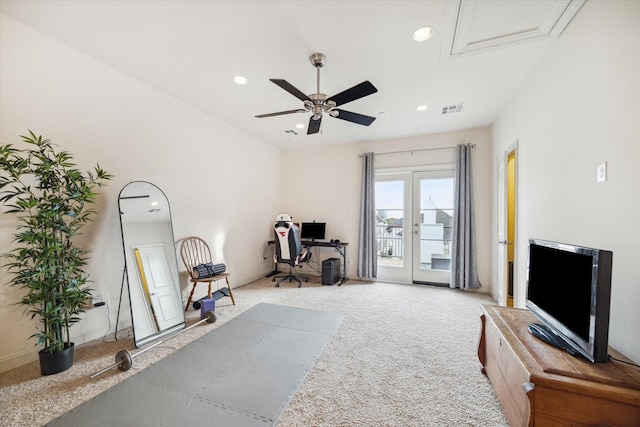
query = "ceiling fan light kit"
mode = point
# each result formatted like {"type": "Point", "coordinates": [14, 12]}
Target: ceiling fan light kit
{"type": "Point", "coordinates": [318, 103]}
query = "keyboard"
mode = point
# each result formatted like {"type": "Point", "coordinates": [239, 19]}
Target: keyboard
{"type": "Point", "coordinates": [322, 243]}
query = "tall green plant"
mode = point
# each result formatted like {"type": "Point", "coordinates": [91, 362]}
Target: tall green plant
{"type": "Point", "coordinates": [51, 199]}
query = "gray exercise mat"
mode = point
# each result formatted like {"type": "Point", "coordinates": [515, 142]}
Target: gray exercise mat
{"type": "Point", "coordinates": [243, 373]}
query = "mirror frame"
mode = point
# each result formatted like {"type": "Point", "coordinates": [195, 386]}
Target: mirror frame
{"type": "Point", "coordinates": [150, 244]}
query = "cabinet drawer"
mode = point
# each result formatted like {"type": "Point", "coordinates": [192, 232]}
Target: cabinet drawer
{"type": "Point", "coordinates": [507, 376]}
{"type": "Point", "coordinates": [583, 409]}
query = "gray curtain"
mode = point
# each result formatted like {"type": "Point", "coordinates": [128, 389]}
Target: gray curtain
{"type": "Point", "coordinates": [367, 256]}
{"type": "Point", "coordinates": [464, 270]}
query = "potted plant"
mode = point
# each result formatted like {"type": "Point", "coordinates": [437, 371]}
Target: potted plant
{"type": "Point", "coordinates": [51, 199]}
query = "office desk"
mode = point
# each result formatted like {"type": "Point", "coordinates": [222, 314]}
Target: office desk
{"type": "Point", "coordinates": [341, 248]}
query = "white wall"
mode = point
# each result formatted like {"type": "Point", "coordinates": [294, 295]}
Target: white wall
{"type": "Point", "coordinates": [135, 133]}
{"type": "Point", "coordinates": [580, 108]}
{"type": "Point", "coordinates": [323, 183]}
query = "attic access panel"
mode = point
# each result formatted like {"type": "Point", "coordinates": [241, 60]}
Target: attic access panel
{"type": "Point", "coordinates": [475, 26]}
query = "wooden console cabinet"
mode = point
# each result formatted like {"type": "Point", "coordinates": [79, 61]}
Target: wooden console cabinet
{"type": "Point", "coordinates": [539, 385]}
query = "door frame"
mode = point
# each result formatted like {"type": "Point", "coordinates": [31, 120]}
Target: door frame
{"type": "Point", "coordinates": [505, 222]}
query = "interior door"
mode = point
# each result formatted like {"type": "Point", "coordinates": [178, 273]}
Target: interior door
{"type": "Point", "coordinates": [511, 228]}
{"type": "Point", "coordinates": [159, 289]}
{"type": "Point", "coordinates": [432, 226]}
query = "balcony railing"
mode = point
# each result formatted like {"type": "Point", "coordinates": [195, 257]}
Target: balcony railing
{"type": "Point", "coordinates": [389, 240]}
{"type": "Point", "coordinates": [434, 253]}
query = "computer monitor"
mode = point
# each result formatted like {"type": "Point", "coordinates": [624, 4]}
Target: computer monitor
{"type": "Point", "coordinates": [313, 230]}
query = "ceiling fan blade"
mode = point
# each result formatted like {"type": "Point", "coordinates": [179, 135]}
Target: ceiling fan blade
{"type": "Point", "coordinates": [360, 119]}
{"type": "Point", "coordinates": [314, 126]}
{"type": "Point", "coordinates": [280, 113]}
{"type": "Point", "coordinates": [358, 91]}
{"type": "Point", "coordinates": [291, 89]}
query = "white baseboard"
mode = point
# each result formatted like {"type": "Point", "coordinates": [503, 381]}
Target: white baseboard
{"type": "Point", "coordinates": [17, 359]}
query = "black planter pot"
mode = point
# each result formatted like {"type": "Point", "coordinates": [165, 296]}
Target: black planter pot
{"type": "Point", "coordinates": [54, 363]}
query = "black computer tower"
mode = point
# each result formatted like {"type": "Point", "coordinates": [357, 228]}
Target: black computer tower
{"type": "Point", "coordinates": [330, 271]}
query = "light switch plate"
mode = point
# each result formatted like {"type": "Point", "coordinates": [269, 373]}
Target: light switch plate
{"type": "Point", "coordinates": [602, 172]}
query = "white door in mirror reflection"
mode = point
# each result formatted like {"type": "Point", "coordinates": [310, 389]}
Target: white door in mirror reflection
{"type": "Point", "coordinates": [159, 291]}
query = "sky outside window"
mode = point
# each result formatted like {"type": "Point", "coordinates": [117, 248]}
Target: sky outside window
{"type": "Point", "coordinates": [389, 194]}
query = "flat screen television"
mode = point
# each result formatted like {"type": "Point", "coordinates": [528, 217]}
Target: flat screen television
{"type": "Point", "coordinates": [312, 230]}
{"type": "Point", "coordinates": [569, 289]}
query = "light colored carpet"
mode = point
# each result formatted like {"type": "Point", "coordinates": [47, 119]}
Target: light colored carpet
{"type": "Point", "coordinates": [404, 355]}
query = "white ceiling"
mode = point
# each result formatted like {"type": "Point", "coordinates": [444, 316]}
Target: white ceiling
{"type": "Point", "coordinates": [480, 54]}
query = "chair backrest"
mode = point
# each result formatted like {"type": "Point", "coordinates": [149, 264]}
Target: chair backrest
{"type": "Point", "coordinates": [194, 251]}
{"type": "Point", "coordinates": [287, 237]}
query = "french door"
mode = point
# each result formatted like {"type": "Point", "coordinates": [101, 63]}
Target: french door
{"type": "Point", "coordinates": [414, 225]}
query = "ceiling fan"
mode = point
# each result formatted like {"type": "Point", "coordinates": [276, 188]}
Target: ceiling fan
{"type": "Point", "coordinates": [318, 103]}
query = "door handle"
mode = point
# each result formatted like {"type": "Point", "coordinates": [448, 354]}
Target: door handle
{"type": "Point", "coordinates": [504, 242]}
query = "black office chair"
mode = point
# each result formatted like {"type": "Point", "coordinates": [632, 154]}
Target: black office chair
{"type": "Point", "coordinates": [289, 249]}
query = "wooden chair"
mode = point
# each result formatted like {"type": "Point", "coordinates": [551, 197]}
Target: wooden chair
{"type": "Point", "coordinates": [195, 251]}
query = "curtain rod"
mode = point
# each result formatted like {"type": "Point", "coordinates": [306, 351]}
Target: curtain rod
{"type": "Point", "coordinates": [419, 149]}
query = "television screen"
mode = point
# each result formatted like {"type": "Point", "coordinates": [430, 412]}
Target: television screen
{"type": "Point", "coordinates": [563, 287]}
{"type": "Point", "coordinates": [312, 230]}
{"type": "Point", "coordinates": [568, 288]}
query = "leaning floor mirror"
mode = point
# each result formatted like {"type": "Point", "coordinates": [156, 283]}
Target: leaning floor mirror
{"type": "Point", "coordinates": [150, 261]}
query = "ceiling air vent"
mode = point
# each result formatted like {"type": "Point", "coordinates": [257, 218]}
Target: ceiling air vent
{"type": "Point", "coordinates": [291, 131]}
{"type": "Point", "coordinates": [450, 109]}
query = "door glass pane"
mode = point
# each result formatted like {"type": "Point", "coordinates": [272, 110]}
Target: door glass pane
{"type": "Point", "coordinates": [389, 223]}
{"type": "Point", "coordinates": [436, 223]}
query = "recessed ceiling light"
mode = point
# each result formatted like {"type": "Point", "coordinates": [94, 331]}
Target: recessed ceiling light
{"type": "Point", "coordinates": [240, 80]}
{"type": "Point", "coordinates": [421, 107]}
{"type": "Point", "coordinates": [422, 34]}
{"type": "Point", "coordinates": [300, 126]}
